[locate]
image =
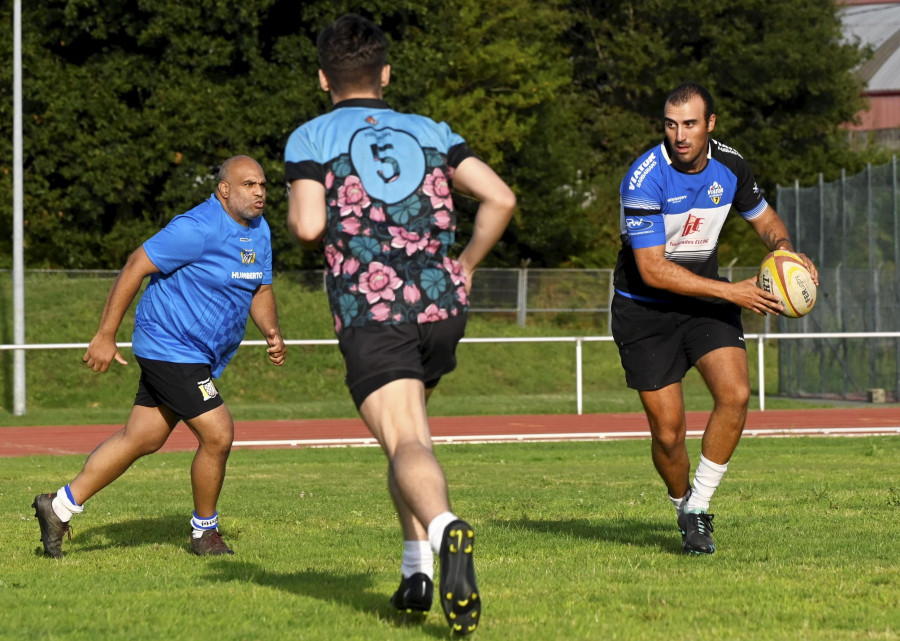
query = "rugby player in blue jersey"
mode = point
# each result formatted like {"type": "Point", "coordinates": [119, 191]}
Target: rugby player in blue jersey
{"type": "Point", "coordinates": [672, 311]}
{"type": "Point", "coordinates": [375, 184]}
{"type": "Point", "coordinates": [209, 269]}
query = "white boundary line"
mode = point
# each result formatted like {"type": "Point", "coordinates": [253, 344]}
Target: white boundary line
{"type": "Point", "coordinates": [569, 436]}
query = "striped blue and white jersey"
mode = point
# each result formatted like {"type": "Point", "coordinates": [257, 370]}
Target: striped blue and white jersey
{"type": "Point", "coordinates": [685, 212]}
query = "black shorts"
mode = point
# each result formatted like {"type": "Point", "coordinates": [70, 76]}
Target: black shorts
{"type": "Point", "coordinates": [659, 343]}
{"type": "Point", "coordinates": [378, 354]}
{"type": "Point", "coordinates": [185, 388]}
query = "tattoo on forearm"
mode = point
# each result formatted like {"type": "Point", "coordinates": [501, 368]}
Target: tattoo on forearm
{"type": "Point", "coordinates": [774, 241]}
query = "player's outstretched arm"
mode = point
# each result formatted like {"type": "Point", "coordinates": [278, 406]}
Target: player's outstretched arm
{"type": "Point", "coordinates": [102, 349]}
{"type": "Point", "coordinates": [264, 313]}
{"type": "Point", "coordinates": [307, 214]}
{"type": "Point", "coordinates": [475, 178]}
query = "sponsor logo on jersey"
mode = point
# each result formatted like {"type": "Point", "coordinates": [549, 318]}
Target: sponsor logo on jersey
{"type": "Point", "coordinates": [638, 224]}
{"type": "Point", "coordinates": [676, 199]}
{"type": "Point", "coordinates": [248, 256]}
{"type": "Point", "coordinates": [728, 150]}
{"type": "Point", "coordinates": [637, 177]}
{"type": "Point", "coordinates": [371, 120]}
{"type": "Point", "coordinates": [247, 275]}
{"type": "Point", "coordinates": [208, 389]}
{"type": "Point", "coordinates": [715, 192]}
{"type": "Point", "coordinates": [692, 225]}
{"type": "Point", "coordinates": [246, 240]}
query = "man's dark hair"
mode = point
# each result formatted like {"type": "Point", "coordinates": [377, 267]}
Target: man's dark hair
{"type": "Point", "coordinates": [352, 53]}
{"type": "Point", "coordinates": [684, 92]}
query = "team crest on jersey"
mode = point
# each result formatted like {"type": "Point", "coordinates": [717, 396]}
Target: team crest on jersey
{"type": "Point", "coordinates": [715, 192]}
{"type": "Point", "coordinates": [208, 389]}
{"type": "Point", "coordinates": [248, 256]}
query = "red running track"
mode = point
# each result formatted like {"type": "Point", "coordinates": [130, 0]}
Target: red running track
{"type": "Point", "coordinates": [82, 439]}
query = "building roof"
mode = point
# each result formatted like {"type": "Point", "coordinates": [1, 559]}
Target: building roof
{"type": "Point", "coordinates": [876, 24]}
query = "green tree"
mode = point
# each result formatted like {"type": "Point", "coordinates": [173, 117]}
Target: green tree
{"type": "Point", "coordinates": [131, 107]}
{"type": "Point", "coordinates": [133, 104]}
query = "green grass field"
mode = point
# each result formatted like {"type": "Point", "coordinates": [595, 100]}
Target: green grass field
{"type": "Point", "coordinates": [575, 541]}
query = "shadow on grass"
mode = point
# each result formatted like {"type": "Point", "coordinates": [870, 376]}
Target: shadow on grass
{"type": "Point", "coordinates": [169, 529]}
{"type": "Point", "coordinates": [351, 590]}
{"type": "Point", "coordinates": [622, 531]}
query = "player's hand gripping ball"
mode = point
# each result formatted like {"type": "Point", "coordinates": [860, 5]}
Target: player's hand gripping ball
{"type": "Point", "coordinates": [783, 273]}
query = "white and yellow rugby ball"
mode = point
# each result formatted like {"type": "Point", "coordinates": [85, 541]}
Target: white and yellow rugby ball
{"type": "Point", "coordinates": [784, 274]}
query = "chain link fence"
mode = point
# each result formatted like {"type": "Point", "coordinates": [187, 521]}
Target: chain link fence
{"type": "Point", "coordinates": [851, 230]}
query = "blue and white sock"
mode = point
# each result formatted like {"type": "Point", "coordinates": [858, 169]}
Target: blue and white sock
{"type": "Point", "coordinates": [64, 505]}
{"type": "Point", "coordinates": [200, 525]}
{"type": "Point", "coordinates": [417, 557]}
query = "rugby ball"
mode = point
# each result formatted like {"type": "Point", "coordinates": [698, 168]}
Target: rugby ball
{"type": "Point", "coordinates": [783, 273]}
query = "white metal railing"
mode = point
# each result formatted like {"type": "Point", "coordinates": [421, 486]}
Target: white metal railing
{"type": "Point", "coordinates": [577, 340]}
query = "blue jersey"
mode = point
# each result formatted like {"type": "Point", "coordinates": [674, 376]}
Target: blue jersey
{"type": "Point", "coordinates": [684, 212]}
{"type": "Point", "coordinates": [195, 310]}
{"type": "Point", "coordinates": [390, 215]}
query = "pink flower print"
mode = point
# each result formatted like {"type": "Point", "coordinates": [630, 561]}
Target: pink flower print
{"type": "Point", "coordinates": [438, 187]}
{"type": "Point", "coordinates": [380, 312]}
{"type": "Point", "coordinates": [461, 295]}
{"type": "Point", "coordinates": [455, 269]}
{"type": "Point", "coordinates": [350, 225]}
{"type": "Point", "coordinates": [376, 214]}
{"type": "Point", "coordinates": [434, 246]}
{"type": "Point", "coordinates": [379, 282]}
{"type": "Point", "coordinates": [411, 293]}
{"type": "Point", "coordinates": [337, 324]}
{"type": "Point", "coordinates": [432, 314]}
{"type": "Point", "coordinates": [329, 180]}
{"type": "Point", "coordinates": [409, 240]}
{"type": "Point", "coordinates": [352, 197]}
{"type": "Point", "coordinates": [333, 258]}
{"type": "Point", "coordinates": [442, 218]}
{"type": "Point", "coordinates": [397, 317]}
{"type": "Point", "coordinates": [350, 266]}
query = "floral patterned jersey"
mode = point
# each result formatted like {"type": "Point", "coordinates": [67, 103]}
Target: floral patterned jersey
{"type": "Point", "coordinates": [391, 221]}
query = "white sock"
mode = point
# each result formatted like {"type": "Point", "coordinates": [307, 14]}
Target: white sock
{"type": "Point", "coordinates": [706, 480]}
{"type": "Point", "coordinates": [680, 503]}
{"type": "Point", "coordinates": [64, 504]}
{"type": "Point", "coordinates": [436, 529]}
{"type": "Point", "coordinates": [417, 557]}
{"type": "Point", "coordinates": [200, 525]}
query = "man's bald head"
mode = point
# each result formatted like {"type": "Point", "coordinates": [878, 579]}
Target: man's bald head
{"type": "Point", "coordinates": [242, 188]}
{"type": "Point", "coordinates": [234, 161]}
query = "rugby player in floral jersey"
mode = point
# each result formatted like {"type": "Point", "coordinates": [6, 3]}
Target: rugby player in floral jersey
{"type": "Point", "coordinates": [374, 185]}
